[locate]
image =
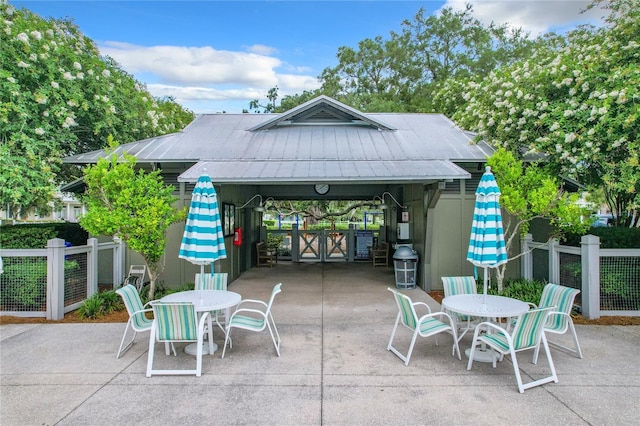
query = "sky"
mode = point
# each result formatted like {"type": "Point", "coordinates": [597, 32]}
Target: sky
{"type": "Point", "coordinates": [216, 56]}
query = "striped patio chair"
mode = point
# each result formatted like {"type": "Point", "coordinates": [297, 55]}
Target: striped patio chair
{"type": "Point", "coordinates": [560, 321]}
{"type": "Point", "coordinates": [254, 319]}
{"type": "Point", "coordinates": [461, 285]}
{"type": "Point", "coordinates": [527, 333]}
{"type": "Point", "coordinates": [424, 326]}
{"type": "Point", "coordinates": [214, 281]}
{"type": "Point", "coordinates": [176, 322]}
{"type": "Point", "coordinates": [138, 320]}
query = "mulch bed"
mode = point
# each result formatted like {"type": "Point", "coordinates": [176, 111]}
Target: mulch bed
{"type": "Point", "coordinates": [122, 316]}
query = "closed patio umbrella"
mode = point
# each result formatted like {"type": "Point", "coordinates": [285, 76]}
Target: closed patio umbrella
{"type": "Point", "coordinates": [486, 245]}
{"type": "Point", "coordinates": [203, 241]}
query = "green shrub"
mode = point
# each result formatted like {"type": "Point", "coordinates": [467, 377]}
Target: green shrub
{"type": "Point", "coordinates": [519, 288]}
{"type": "Point", "coordinates": [36, 235]}
{"type": "Point", "coordinates": [610, 237]}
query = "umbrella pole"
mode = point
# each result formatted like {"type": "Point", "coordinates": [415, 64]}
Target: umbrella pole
{"type": "Point", "coordinates": [485, 283]}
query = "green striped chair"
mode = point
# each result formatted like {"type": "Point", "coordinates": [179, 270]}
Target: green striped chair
{"type": "Point", "coordinates": [461, 285]}
{"type": "Point", "coordinates": [527, 334]}
{"type": "Point", "coordinates": [560, 321]}
{"type": "Point", "coordinates": [138, 320]}
{"type": "Point", "coordinates": [254, 319]}
{"type": "Point", "coordinates": [424, 326]}
{"type": "Point", "coordinates": [176, 322]}
{"type": "Point", "coordinates": [214, 281]}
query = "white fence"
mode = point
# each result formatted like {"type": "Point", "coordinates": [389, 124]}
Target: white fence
{"type": "Point", "coordinates": [53, 281]}
{"type": "Point", "coordinates": [609, 279]}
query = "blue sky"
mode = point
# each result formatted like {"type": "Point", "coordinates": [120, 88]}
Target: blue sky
{"type": "Point", "coordinates": [215, 56]}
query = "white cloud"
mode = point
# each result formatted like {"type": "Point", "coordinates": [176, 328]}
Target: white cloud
{"type": "Point", "coordinates": [535, 16]}
{"type": "Point", "coordinates": [193, 75]}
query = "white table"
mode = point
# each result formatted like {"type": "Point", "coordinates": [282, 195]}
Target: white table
{"type": "Point", "coordinates": [206, 301]}
{"type": "Point", "coordinates": [484, 306]}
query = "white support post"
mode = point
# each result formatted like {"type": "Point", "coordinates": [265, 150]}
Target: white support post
{"type": "Point", "coordinates": [554, 261]}
{"type": "Point", "coordinates": [92, 267]}
{"type": "Point", "coordinates": [590, 255]}
{"type": "Point", "coordinates": [526, 264]}
{"type": "Point", "coordinates": [55, 279]}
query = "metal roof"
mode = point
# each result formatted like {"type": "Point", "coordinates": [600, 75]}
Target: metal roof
{"type": "Point", "coordinates": [319, 140]}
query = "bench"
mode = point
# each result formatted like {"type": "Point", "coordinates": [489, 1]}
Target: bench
{"type": "Point", "coordinates": [265, 256]}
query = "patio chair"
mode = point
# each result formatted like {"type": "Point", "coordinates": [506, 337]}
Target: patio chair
{"type": "Point", "coordinates": [527, 334]}
{"type": "Point", "coordinates": [254, 319]}
{"type": "Point", "coordinates": [560, 321]}
{"type": "Point", "coordinates": [214, 281]}
{"type": "Point", "coordinates": [176, 322]}
{"type": "Point", "coordinates": [461, 285]}
{"type": "Point", "coordinates": [138, 320]}
{"type": "Point", "coordinates": [136, 276]}
{"type": "Point", "coordinates": [425, 326]}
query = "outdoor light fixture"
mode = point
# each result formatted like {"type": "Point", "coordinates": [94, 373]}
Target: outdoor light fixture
{"type": "Point", "coordinates": [261, 206]}
{"type": "Point", "coordinates": [382, 205]}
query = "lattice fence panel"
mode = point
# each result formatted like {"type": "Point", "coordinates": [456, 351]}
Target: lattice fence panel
{"type": "Point", "coordinates": [619, 283]}
{"type": "Point", "coordinates": [23, 284]}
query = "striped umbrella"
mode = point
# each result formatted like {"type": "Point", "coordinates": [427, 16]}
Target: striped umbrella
{"type": "Point", "coordinates": [486, 244]}
{"type": "Point", "coordinates": [203, 241]}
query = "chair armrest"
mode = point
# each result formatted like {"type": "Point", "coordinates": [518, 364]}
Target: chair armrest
{"type": "Point", "coordinates": [488, 325]}
{"type": "Point", "coordinates": [532, 305]}
{"type": "Point", "coordinates": [243, 301]}
{"type": "Point", "coordinates": [422, 304]}
{"type": "Point", "coordinates": [254, 311]}
{"type": "Point", "coordinates": [437, 314]}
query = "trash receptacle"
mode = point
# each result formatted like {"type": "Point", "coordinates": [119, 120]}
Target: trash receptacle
{"type": "Point", "coordinates": [405, 264]}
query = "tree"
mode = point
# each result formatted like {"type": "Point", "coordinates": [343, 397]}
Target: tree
{"type": "Point", "coordinates": [134, 206]}
{"type": "Point", "coordinates": [575, 102]}
{"type": "Point", "coordinates": [59, 97]}
{"type": "Point", "coordinates": [532, 192]}
{"type": "Point", "coordinates": [400, 73]}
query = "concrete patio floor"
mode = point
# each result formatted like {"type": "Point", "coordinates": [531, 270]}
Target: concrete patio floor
{"type": "Point", "coordinates": [335, 321]}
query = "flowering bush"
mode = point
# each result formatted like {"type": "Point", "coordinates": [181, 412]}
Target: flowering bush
{"type": "Point", "coordinates": [58, 97]}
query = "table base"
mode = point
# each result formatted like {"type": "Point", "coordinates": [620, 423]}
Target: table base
{"type": "Point", "coordinates": [192, 348]}
{"type": "Point", "coordinates": [481, 355]}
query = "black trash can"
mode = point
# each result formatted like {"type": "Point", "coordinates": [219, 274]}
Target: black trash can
{"type": "Point", "coordinates": [405, 264]}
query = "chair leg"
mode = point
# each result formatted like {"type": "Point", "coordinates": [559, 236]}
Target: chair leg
{"type": "Point", "coordinates": [390, 346]}
{"type": "Point", "coordinates": [123, 348]}
{"type": "Point", "coordinates": [276, 337]}
{"type": "Point", "coordinates": [227, 339]}
{"type": "Point", "coordinates": [553, 378]}
{"type": "Point", "coordinates": [152, 341]}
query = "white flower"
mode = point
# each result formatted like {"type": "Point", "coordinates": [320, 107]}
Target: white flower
{"type": "Point", "coordinates": [33, 57]}
{"type": "Point", "coordinates": [105, 99]}
{"type": "Point", "coordinates": [36, 34]}
{"type": "Point", "coordinates": [49, 33]}
{"type": "Point", "coordinates": [602, 110]}
{"type": "Point", "coordinates": [45, 113]}
{"type": "Point", "coordinates": [77, 65]}
{"type": "Point", "coordinates": [67, 76]}
{"type": "Point", "coordinates": [112, 109]}
{"type": "Point", "coordinates": [90, 72]}
{"type": "Point", "coordinates": [11, 79]}
{"type": "Point", "coordinates": [39, 131]}
{"type": "Point", "coordinates": [569, 137]}
{"type": "Point", "coordinates": [41, 99]}
{"type": "Point", "coordinates": [22, 64]}
{"type": "Point", "coordinates": [72, 103]}
{"type": "Point", "coordinates": [80, 75]}
{"type": "Point", "coordinates": [55, 85]}
{"type": "Point", "coordinates": [68, 122]}
{"type": "Point", "coordinates": [106, 73]}
{"type": "Point", "coordinates": [23, 38]}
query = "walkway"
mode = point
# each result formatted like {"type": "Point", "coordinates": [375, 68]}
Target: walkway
{"type": "Point", "coordinates": [335, 321]}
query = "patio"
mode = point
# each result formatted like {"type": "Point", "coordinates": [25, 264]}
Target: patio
{"type": "Point", "coordinates": [335, 320]}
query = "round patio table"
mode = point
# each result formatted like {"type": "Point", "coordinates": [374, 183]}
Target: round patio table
{"type": "Point", "coordinates": [484, 306]}
{"type": "Point", "coordinates": [206, 301]}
